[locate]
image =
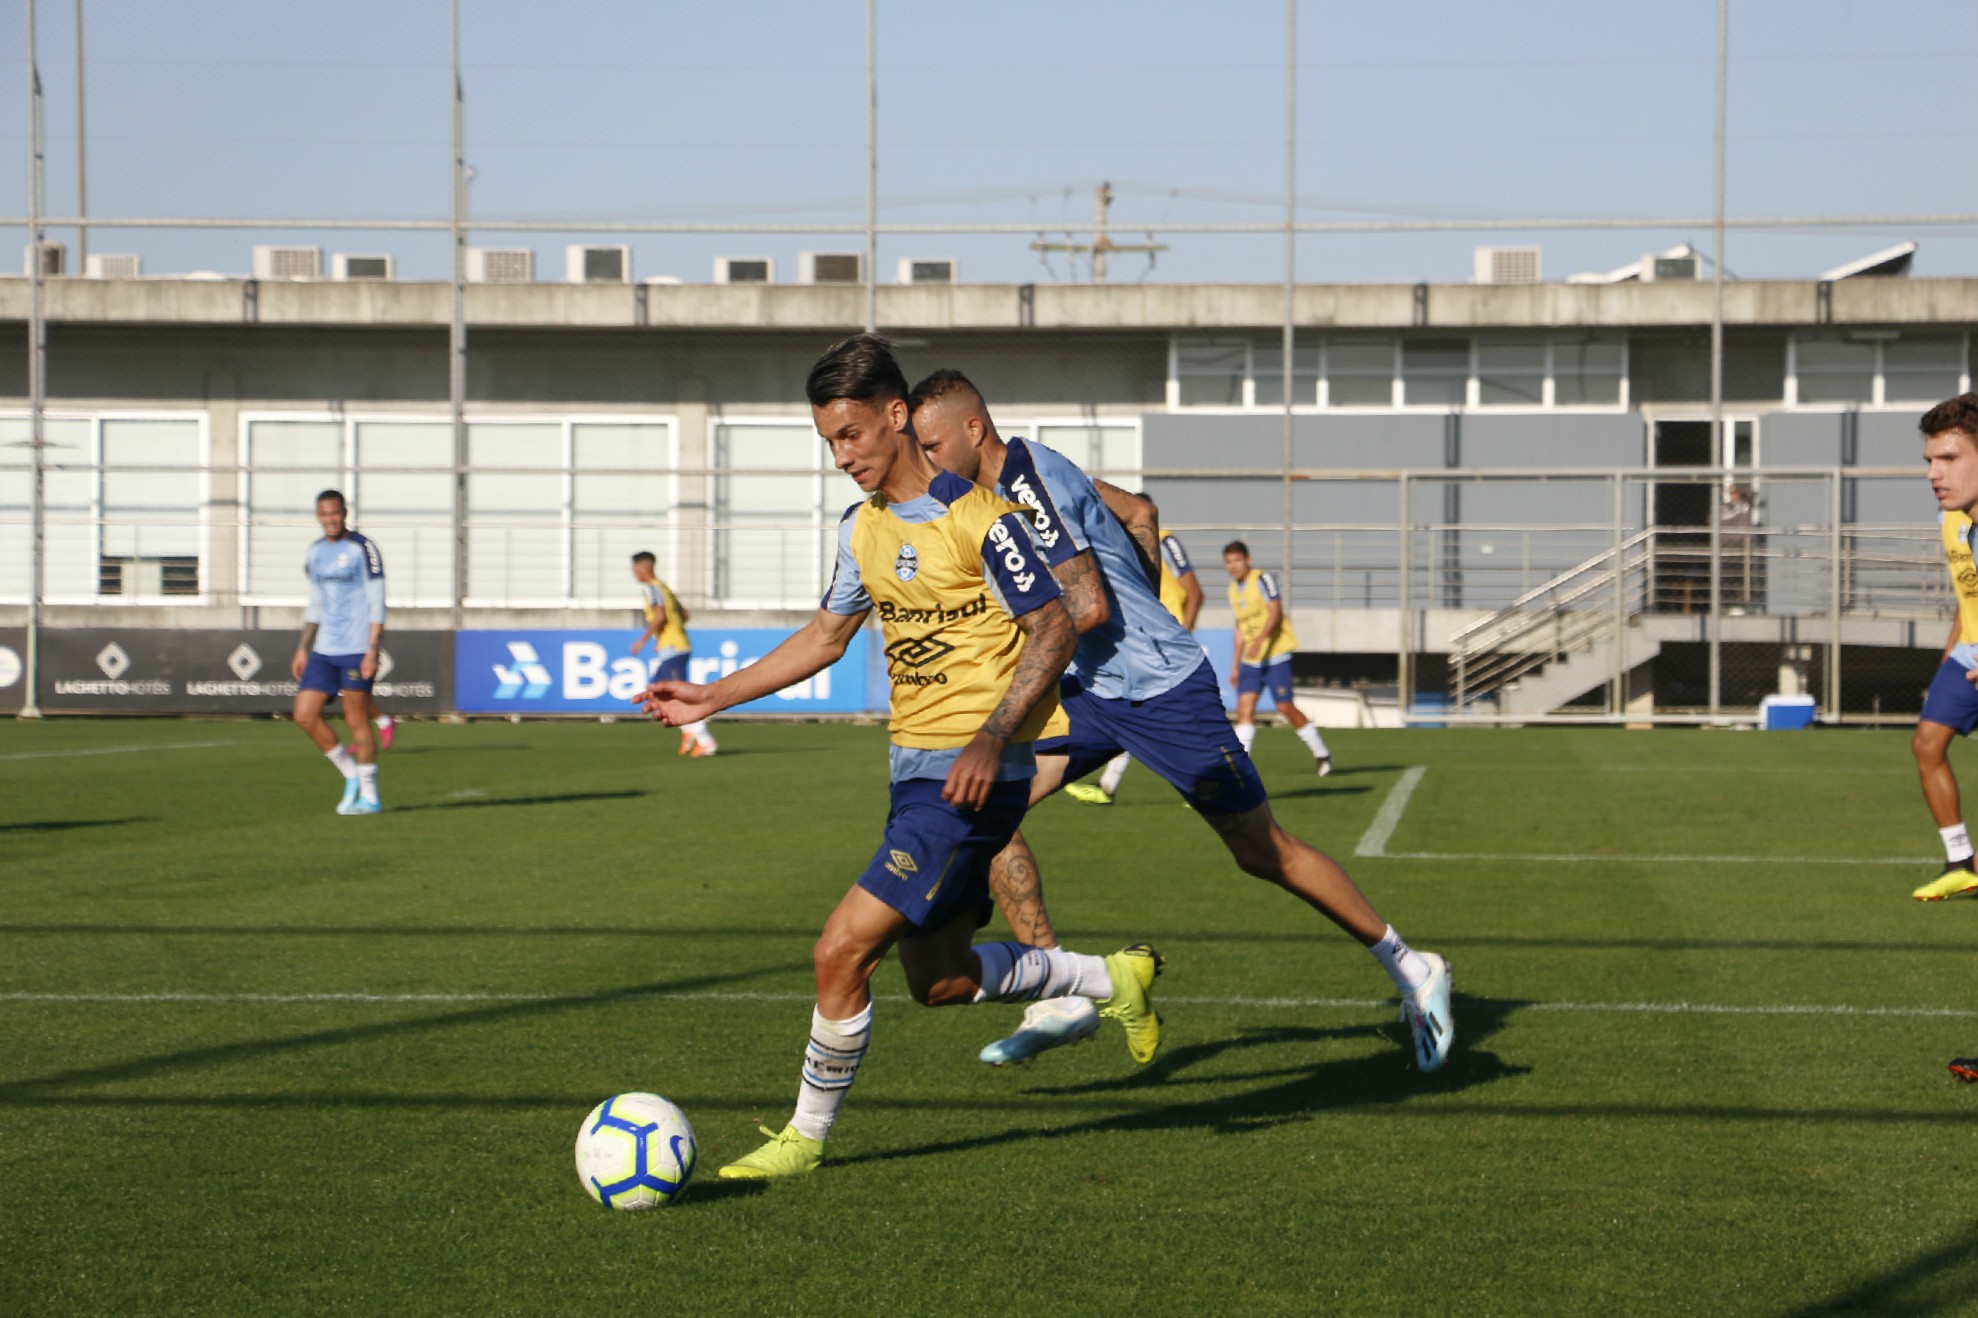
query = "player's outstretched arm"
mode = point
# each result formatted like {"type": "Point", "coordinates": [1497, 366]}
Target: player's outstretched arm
{"type": "Point", "coordinates": [1191, 600]}
{"type": "Point", "coordinates": [1084, 587]}
{"type": "Point", "coordinates": [1138, 514]}
{"type": "Point", "coordinates": [810, 649]}
{"type": "Point", "coordinates": [1049, 642]}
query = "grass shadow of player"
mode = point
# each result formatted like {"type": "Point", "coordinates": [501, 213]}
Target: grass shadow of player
{"type": "Point", "coordinates": [397, 751]}
{"type": "Point", "coordinates": [1283, 1094]}
{"type": "Point", "coordinates": [65, 825]}
{"type": "Point", "coordinates": [706, 1187]}
{"type": "Point", "coordinates": [1941, 1279]}
{"type": "Point", "coordinates": [485, 802]}
{"type": "Point", "coordinates": [1349, 771]}
{"type": "Point", "coordinates": [1344, 789]}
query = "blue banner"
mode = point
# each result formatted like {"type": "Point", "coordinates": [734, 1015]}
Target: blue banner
{"type": "Point", "coordinates": [590, 672]}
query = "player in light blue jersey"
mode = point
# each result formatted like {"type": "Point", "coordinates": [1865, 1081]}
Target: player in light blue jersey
{"type": "Point", "coordinates": [1140, 682]}
{"type": "Point", "coordinates": [338, 654]}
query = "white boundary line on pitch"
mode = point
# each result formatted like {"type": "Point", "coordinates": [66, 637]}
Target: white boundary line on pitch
{"type": "Point", "coordinates": [1299, 1004]}
{"type": "Point", "coordinates": [1374, 841]}
{"type": "Point", "coordinates": [119, 750]}
{"type": "Point", "coordinates": [1592, 858]}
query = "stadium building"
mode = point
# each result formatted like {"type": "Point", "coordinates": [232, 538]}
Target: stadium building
{"type": "Point", "coordinates": [1543, 443]}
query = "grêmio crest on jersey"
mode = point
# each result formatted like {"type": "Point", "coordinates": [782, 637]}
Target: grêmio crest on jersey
{"type": "Point", "coordinates": [906, 564]}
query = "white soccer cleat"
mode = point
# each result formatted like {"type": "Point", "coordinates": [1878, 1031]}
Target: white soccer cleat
{"type": "Point", "coordinates": [1049, 1024]}
{"type": "Point", "coordinates": [350, 788]}
{"type": "Point", "coordinates": [1426, 1013]}
{"type": "Point", "coordinates": [1325, 765]}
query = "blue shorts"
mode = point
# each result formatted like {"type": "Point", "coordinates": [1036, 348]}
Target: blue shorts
{"type": "Point", "coordinates": [1274, 677]}
{"type": "Point", "coordinates": [673, 668]}
{"type": "Point", "coordinates": [934, 861]}
{"type": "Point", "coordinates": [1953, 699]}
{"type": "Point", "coordinates": [331, 673]}
{"type": "Point", "coordinates": [1183, 735]}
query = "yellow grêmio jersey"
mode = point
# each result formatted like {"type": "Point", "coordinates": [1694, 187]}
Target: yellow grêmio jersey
{"type": "Point", "coordinates": [1956, 531]}
{"type": "Point", "coordinates": [1250, 600]}
{"type": "Point", "coordinates": [672, 636]}
{"type": "Point", "coordinates": [1174, 566]}
{"type": "Point", "coordinates": [947, 573]}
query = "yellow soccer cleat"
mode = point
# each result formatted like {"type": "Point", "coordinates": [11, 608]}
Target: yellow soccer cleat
{"type": "Point", "coordinates": [1956, 880]}
{"type": "Point", "coordinates": [1090, 793]}
{"type": "Point", "coordinates": [1133, 970]}
{"type": "Point", "coordinates": [786, 1154]}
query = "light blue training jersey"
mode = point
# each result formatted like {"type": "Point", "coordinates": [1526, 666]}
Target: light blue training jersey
{"type": "Point", "coordinates": [346, 592]}
{"type": "Point", "coordinates": [1139, 652]}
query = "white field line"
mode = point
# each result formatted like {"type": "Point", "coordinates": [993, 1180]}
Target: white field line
{"type": "Point", "coordinates": [1374, 841]}
{"type": "Point", "coordinates": [1294, 1004]}
{"type": "Point", "coordinates": [119, 750]}
{"type": "Point", "coordinates": [1591, 858]}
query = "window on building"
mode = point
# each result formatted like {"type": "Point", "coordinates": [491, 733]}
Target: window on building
{"type": "Point", "coordinates": [1102, 450]}
{"type": "Point", "coordinates": [515, 495]}
{"type": "Point", "coordinates": [1435, 372]}
{"type": "Point", "coordinates": [1210, 372]}
{"type": "Point", "coordinates": [289, 464]}
{"type": "Point", "coordinates": [1267, 366]}
{"type": "Point", "coordinates": [1588, 370]}
{"type": "Point", "coordinates": [68, 498]}
{"type": "Point", "coordinates": [1359, 372]}
{"type": "Point", "coordinates": [771, 529]}
{"type": "Point", "coordinates": [620, 504]}
{"type": "Point", "coordinates": [1511, 372]}
{"type": "Point", "coordinates": [402, 496]}
{"type": "Point", "coordinates": [1921, 368]}
{"type": "Point", "coordinates": [1834, 368]}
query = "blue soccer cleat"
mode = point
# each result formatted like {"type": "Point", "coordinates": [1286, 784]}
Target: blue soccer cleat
{"type": "Point", "coordinates": [366, 805]}
{"type": "Point", "coordinates": [1046, 1025]}
{"type": "Point", "coordinates": [1426, 1013]}
{"type": "Point", "coordinates": [350, 788]}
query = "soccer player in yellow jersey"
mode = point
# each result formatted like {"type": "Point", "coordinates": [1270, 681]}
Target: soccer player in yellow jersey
{"type": "Point", "coordinates": [977, 636]}
{"type": "Point", "coordinates": [1950, 447]}
{"type": "Point", "coordinates": [666, 626]}
{"type": "Point", "coordinates": [1181, 595]}
{"type": "Point", "coordinates": [1264, 645]}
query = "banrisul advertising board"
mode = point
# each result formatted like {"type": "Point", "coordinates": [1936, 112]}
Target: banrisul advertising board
{"type": "Point", "coordinates": [589, 672]}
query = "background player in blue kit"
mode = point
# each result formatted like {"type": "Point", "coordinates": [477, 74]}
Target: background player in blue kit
{"type": "Point", "coordinates": [342, 629]}
{"type": "Point", "coordinates": [1140, 682]}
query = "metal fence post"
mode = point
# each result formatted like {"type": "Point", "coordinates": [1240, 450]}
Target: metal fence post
{"type": "Point", "coordinates": [1833, 683]}
{"type": "Point", "coordinates": [1404, 650]}
{"type": "Point", "coordinates": [37, 380]}
{"type": "Point", "coordinates": [457, 336]}
{"type": "Point", "coordinates": [1620, 599]}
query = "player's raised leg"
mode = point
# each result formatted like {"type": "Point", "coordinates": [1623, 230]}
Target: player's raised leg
{"type": "Point", "coordinates": [308, 714]}
{"type": "Point", "coordinates": [357, 707]}
{"type": "Point", "coordinates": [1103, 791]}
{"type": "Point", "coordinates": [1279, 677]}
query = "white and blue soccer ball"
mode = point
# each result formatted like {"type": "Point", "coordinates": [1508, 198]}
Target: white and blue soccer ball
{"type": "Point", "coordinates": [635, 1151]}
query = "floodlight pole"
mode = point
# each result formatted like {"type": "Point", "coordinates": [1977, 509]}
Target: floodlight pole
{"type": "Point", "coordinates": [82, 160]}
{"type": "Point", "coordinates": [1290, 275]}
{"type": "Point", "coordinates": [457, 340]}
{"type": "Point", "coordinates": [1721, 452]}
{"type": "Point", "coordinates": [871, 261]}
{"type": "Point", "coordinates": [37, 379]}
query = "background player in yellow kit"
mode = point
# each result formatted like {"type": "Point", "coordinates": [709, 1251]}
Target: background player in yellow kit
{"type": "Point", "coordinates": [1950, 447]}
{"type": "Point", "coordinates": [1264, 645]}
{"type": "Point", "coordinates": [666, 624]}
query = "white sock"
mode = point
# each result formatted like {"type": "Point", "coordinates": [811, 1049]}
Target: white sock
{"type": "Point", "coordinates": [367, 782]}
{"type": "Point", "coordinates": [1957, 843]}
{"type": "Point", "coordinates": [1309, 734]}
{"type": "Point", "coordinates": [1403, 964]}
{"type": "Point", "coordinates": [345, 762]}
{"type": "Point", "coordinates": [383, 721]}
{"type": "Point", "coordinates": [1013, 972]}
{"type": "Point", "coordinates": [698, 731]}
{"type": "Point", "coordinates": [831, 1063]}
{"type": "Point", "coordinates": [1246, 734]}
{"type": "Point", "coordinates": [1115, 770]}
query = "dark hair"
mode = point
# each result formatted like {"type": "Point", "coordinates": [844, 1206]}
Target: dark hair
{"type": "Point", "coordinates": [644, 556]}
{"type": "Point", "coordinates": [1959, 413]}
{"type": "Point", "coordinates": [860, 368]}
{"type": "Point", "coordinates": [1237, 547]}
{"type": "Point", "coordinates": [342, 502]}
{"type": "Point", "coordinates": [938, 386]}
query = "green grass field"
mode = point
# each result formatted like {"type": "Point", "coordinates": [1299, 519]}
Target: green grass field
{"type": "Point", "coordinates": [1712, 1085]}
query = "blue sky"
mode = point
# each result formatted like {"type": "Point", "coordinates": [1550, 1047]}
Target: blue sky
{"type": "Point", "coordinates": [1012, 113]}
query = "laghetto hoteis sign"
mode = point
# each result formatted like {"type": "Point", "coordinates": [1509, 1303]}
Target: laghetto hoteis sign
{"type": "Point", "coordinates": [159, 671]}
{"type": "Point", "coordinates": [590, 672]}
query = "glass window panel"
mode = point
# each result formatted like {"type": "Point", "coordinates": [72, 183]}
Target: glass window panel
{"type": "Point", "coordinates": [289, 464]}
{"type": "Point", "coordinates": [1587, 356]}
{"type": "Point", "coordinates": [403, 499]}
{"type": "Point", "coordinates": [1822, 353]}
{"type": "Point", "coordinates": [767, 545]}
{"type": "Point", "coordinates": [1360, 372]}
{"type": "Point", "coordinates": [1921, 369]}
{"type": "Point", "coordinates": [621, 499]}
{"type": "Point", "coordinates": [67, 497]}
{"type": "Point", "coordinates": [1921, 386]}
{"type": "Point", "coordinates": [1099, 450]}
{"type": "Point", "coordinates": [1586, 390]}
{"type": "Point", "coordinates": [515, 535]}
{"type": "Point", "coordinates": [1209, 372]}
{"type": "Point", "coordinates": [1434, 371]}
{"type": "Point", "coordinates": [1268, 363]}
{"type": "Point", "coordinates": [151, 488]}
{"type": "Point", "coordinates": [1517, 356]}
{"type": "Point", "coordinates": [1507, 390]}
{"type": "Point", "coordinates": [1360, 390]}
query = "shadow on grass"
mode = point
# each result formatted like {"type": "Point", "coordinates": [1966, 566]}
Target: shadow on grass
{"type": "Point", "coordinates": [1939, 1280]}
{"type": "Point", "coordinates": [484, 802]}
{"type": "Point", "coordinates": [1293, 793]}
{"type": "Point", "coordinates": [64, 825]}
{"type": "Point", "coordinates": [397, 751]}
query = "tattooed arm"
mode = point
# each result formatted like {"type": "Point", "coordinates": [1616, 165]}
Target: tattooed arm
{"type": "Point", "coordinates": [1084, 586]}
{"type": "Point", "coordinates": [1049, 641]}
{"type": "Point", "coordinates": [1139, 515]}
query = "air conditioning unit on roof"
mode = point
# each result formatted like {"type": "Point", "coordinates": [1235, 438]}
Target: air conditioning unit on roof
{"type": "Point", "coordinates": [1505, 265]}
{"type": "Point", "coordinates": [744, 270]}
{"type": "Point", "coordinates": [829, 268]}
{"type": "Point", "coordinates": [347, 267]}
{"type": "Point", "coordinates": [597, 265]}
{"type": "Point", "coordinates": [288, 263]}
{"type": "Point", "coordinates": [921, 271]}
{"type": "Point", "coordinates": [113, 265]}
{"type": "Point", "coordinates": [500, 265]}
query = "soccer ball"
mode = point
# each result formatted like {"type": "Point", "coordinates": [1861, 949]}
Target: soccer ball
{"type": "Point", "coordinates": [635, 1151]}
